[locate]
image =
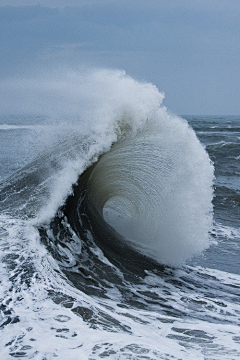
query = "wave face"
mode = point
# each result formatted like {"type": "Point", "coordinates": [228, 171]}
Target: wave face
{"type": "Point", "coordinates": [154, 188]}
{"type": "Point", "coordinates": [96, 229]}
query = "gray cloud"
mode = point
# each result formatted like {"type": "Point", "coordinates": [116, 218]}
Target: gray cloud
{"type": "Point", "coordinates": [189, 49]}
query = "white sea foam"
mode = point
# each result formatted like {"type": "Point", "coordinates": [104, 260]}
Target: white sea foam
{"type": "Point", "coordinates": [205, 327]}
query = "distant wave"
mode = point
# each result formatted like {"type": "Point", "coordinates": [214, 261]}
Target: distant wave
{"type": "Point", "coordinates": [16, 127]}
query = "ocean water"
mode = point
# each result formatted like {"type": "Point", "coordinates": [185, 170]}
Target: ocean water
{"type": "Point", "coordinates": [119, 228]}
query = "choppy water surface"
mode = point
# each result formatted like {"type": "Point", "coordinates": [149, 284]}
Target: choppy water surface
{"type": "Point", "coordinates": [110, 245]}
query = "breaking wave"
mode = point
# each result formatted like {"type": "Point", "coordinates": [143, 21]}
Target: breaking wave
{"type": "Point", "coordinates": [149, 180]}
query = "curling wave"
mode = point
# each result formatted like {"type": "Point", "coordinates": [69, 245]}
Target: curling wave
{"type": "Point", "coordinates": [151, 184]}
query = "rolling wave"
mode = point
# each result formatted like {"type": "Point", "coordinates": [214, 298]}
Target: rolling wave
{"type": "Point", "coordinates": [151, 181]}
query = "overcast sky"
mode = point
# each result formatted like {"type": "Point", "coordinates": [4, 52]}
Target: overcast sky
{"type": "Point", "coordinates": [190, 49]}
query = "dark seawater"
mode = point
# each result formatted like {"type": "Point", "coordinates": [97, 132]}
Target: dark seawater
{"type": "Point", "coordinates": [72, 287]}
{"type": "Point", "coordinates": [221, 137]}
